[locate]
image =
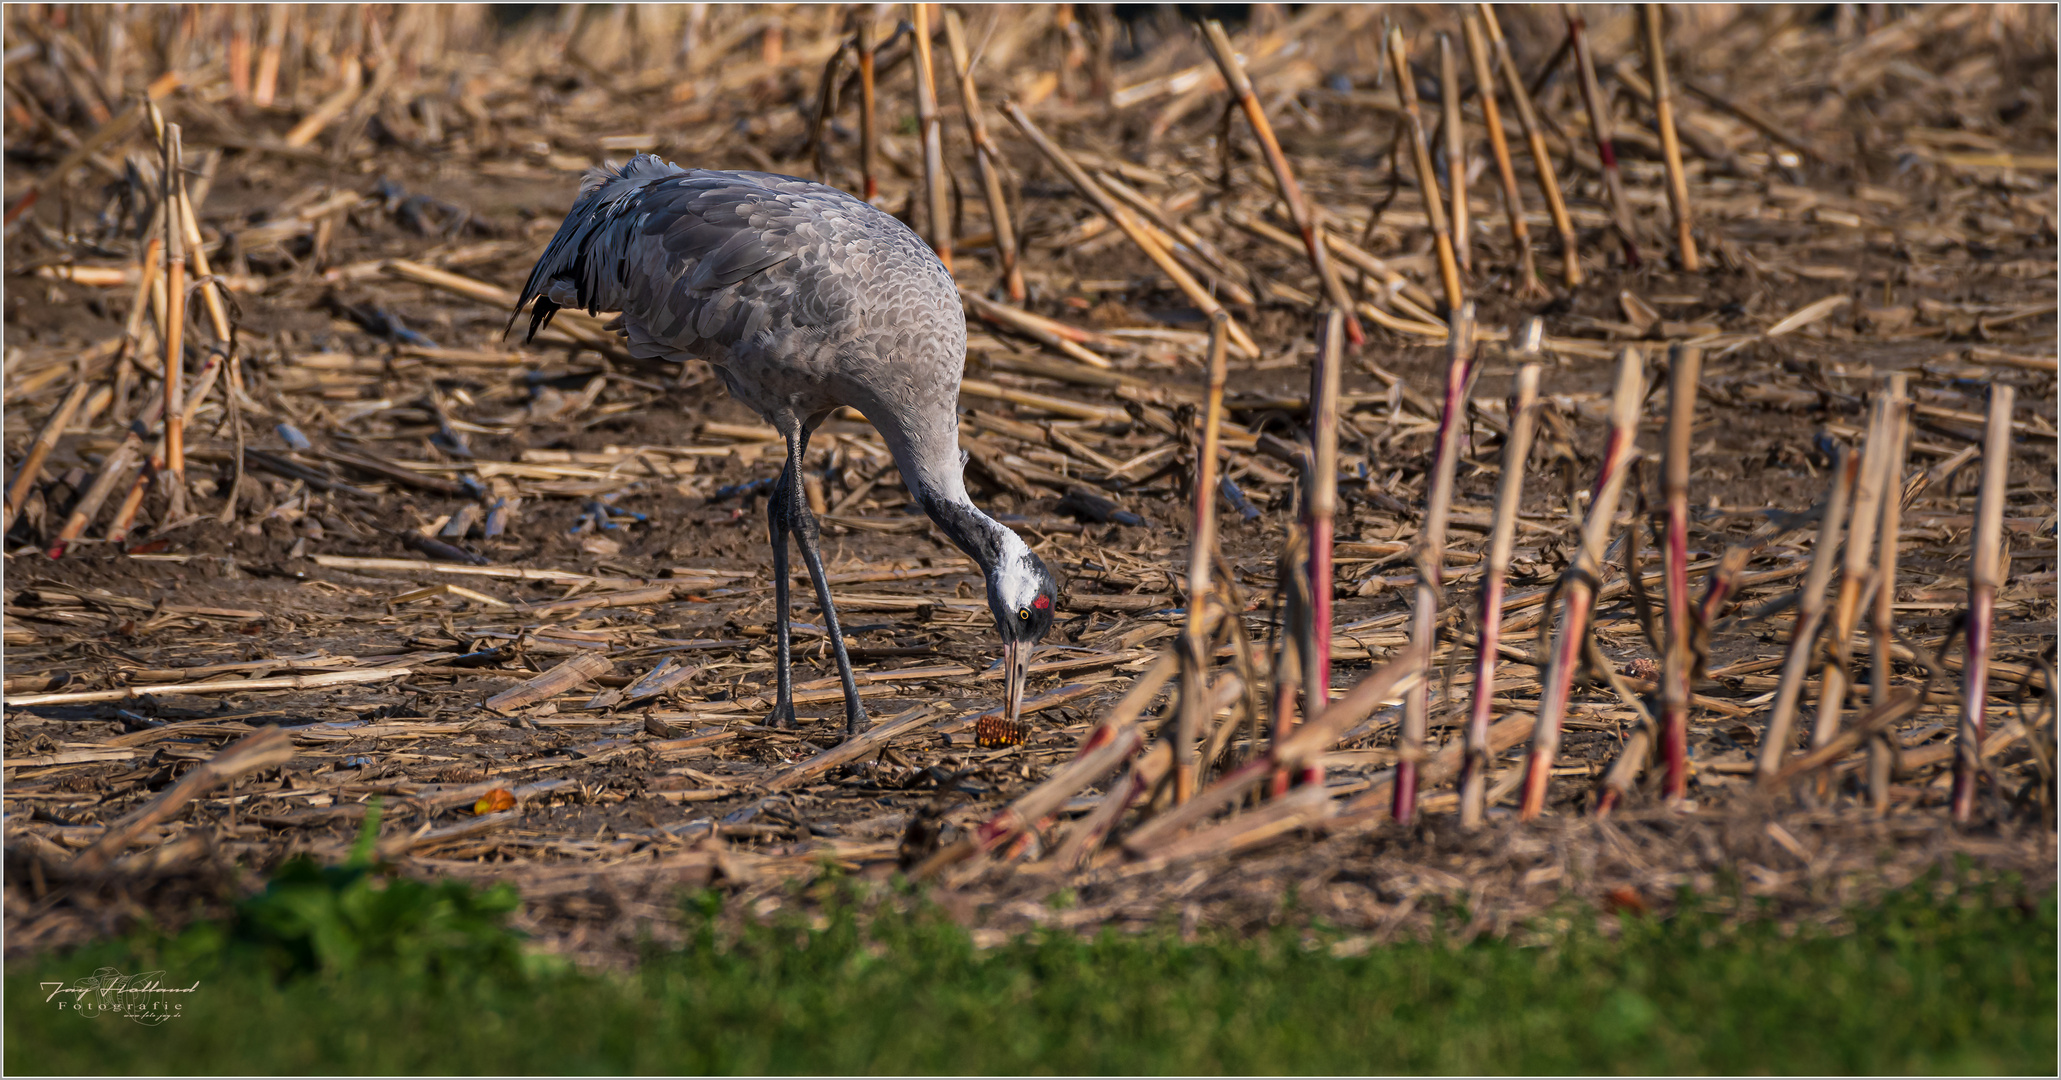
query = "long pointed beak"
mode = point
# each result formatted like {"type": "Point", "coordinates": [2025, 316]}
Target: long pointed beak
{"type": "Point", "coordinates": [1016, 658]}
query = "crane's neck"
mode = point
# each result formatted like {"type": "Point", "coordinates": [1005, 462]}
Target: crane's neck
{"type": "Point", "coordinates": [989, 542]}
{"type": "Point", "coordinates": [926, 450]}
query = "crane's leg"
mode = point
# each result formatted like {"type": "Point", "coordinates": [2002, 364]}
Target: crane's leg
{"type": "Point", "coordinates": [802, 522]}
{"type": "Point", "coordinates": [778, 510]}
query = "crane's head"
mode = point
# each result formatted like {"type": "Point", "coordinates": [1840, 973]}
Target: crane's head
{"type": "Point", "coordinates": [1020, 593]}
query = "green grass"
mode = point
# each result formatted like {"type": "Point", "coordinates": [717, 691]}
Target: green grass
{"type": "Point", "coordinates": [1919, 985]}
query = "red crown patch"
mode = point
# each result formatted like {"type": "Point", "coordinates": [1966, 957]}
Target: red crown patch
{"type": "Point", "coordinates": [1042, 602]}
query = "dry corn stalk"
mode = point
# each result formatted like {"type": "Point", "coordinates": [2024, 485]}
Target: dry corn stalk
{"type": "Point", "coordinates": [1578, 585]}
{"type": "Point", "coordinates": [1810, 617]}
{"type": "Point", "coordinates": [869, 138]}
{"type": "Point", "coordinates": [1524, 399]}
{"type": "Point", "coordinates": [1427, 177]}
{"type": "Point", "coordinates": [39, 451]}
{"type": "Point", "coordinates": [1431, 557]}
{"type": "Point", "coordinates": [1123, 219]}
{"type": "Point", "coordinates": [1202, 546]}
{"type": "Point", "coordinates": [174, 330]}
{"type": "Point", "coordinates": [1305, 215]}
{"type": "Point", "coordinates": [1670, 140]}
{"type": "Point", "coordinates": [987, 159]}
{"type": "Point", "coordinates": [1853, 576]}
{"type": "Point", "coordinates": [1984, 576]}
{"type": "Point", "coordinates": [1492, 119]}
{"type": "Point", "coordinates": [1456, 153]}
{"type": "Point", "coordinates": [1883, 621]}
{"type": "Point", "coordinates": [1599, 125]}
{"type": "Point", "coordinates": [1320, 513]}
{"type": "Point", "coordinates": [1541, 158]}
{"type": "Point", "coordinates": [265, 748]}
{"type": "Point", "coordinates": [1685, 368]}
{"type": "Point", "coordinates": [933, 139]}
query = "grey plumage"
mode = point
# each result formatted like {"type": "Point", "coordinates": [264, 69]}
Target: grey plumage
{"type": "Point", "coordinates": [803, 298]}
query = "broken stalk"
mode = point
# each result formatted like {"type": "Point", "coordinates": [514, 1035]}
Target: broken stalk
{"type": "Point", "coordinates": [1853, 575]}
{"type": "Point", "coordinates": [1984, 572]}
{"type": "Point", "coordinates": [1321, 511]}
{"type": "Point", "coordinates": [1189, 722]}
{"type": "Point", "coordinates": [1431, 558]}
{"type": "Point", "coordinates": [1810, 615]}
{"type": "Point", "coordinates": [1881, 755]}
{"type": "Point", "coordinates": [933, 139]}
{"type": "Point", "coordinates": [987, 159]}
{"type": "Point", "coordinates": [1541, 158]}
{"type": "Point", "coordinates": [1685, 365]}
{"type": "Point", "coordinates": [868, 136]}
{"type": "Point", "coordinates": [1670, 140]}
{"type": "Point", "coordinates": [1492, 118]}
{"type": "Point", "coordinates": [175, 319]}
{"type": "Point", "coordinates": [1578, 584]}
{"type": "Point", "coordinates": [1524, 399]}
{"type": "Point", "coordinates": [1456, 153]}
{"type": "Point", "coordinates": [1599, 125]}
{"type": "Point", "coordinates": [1427, 177]}
{"type": "Point", "coordinates": [1299, 208]}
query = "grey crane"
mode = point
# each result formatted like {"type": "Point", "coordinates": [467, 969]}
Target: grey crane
{"type": "Point", "coordinates": [803, 298]}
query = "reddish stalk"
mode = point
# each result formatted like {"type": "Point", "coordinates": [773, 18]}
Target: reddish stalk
{"type": "Point", "coordinates": [1722, 583]}
{"type": "Point", "coordinates": [1541, 158]}
{"type": "Point", "coordinates": [1984, 572]}
{"type": "Point", "coordinates": [987, 159]}
{"type": "Point", "coordinates": [1599, 124]}
{"type": "Point", "coordinates": [869, 137]}
{"type": "Point", "coordinates": [1431, 558]}
{"type": "Point", "coordinates": [1456, 153]}
{"type": "Point", "coordinates": [1320, 514]}
{"type": "Point", "coordinates": [1883, 622]}
{"type": "Point", "coordinates": [1284, 176]}
{"type": "Point", "coordinates": [1188, 725]}
{"type": "Point", "coordinates": [174, 330]}
{"type": "Point", "coordinates": [1685, 366]}
{"type": "Point", "coordinates": [1670, 140]}
{"type": "Point", "coordinates": [1624, 772]}
{"type": "Point", "coordinates": [933, 139]}
{"type": "Point", "coordinates": [1810, 616]}
{"type": "Point", "coordinates": [1287, 755]}
{"type": "Point", "coordinates": [1492, 118]}
{"type": "Point", "coordinates": [1427, 178]}
{"type": "Point", "coordinates": [1578, 583]}
{"type": "Point", "coordinates": [1524, 400]}
{"type": "Point", "coordinates": [1288, 663]}
{"type": "Point", "coordinates": [1145, 774]}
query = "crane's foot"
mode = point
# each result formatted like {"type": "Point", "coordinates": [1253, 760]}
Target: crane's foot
{"type": "Point", "coordinates": [782, 716]}
{"type": "Point", "coordinates": [855, 721]}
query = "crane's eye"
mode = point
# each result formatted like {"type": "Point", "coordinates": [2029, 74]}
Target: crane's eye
{"type": "Point", "coordinates": [1023, 613]}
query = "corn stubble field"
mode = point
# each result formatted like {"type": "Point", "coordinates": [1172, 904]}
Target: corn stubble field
{"type": "Point", "coordinates": [1729, 381]}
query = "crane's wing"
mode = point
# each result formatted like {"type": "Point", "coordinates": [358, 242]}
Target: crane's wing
{"type": "Point", "coordinates": [681, 251]}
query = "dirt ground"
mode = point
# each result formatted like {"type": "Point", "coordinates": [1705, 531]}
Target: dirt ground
{"type": "Point", "coordinates": [380, 409]}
